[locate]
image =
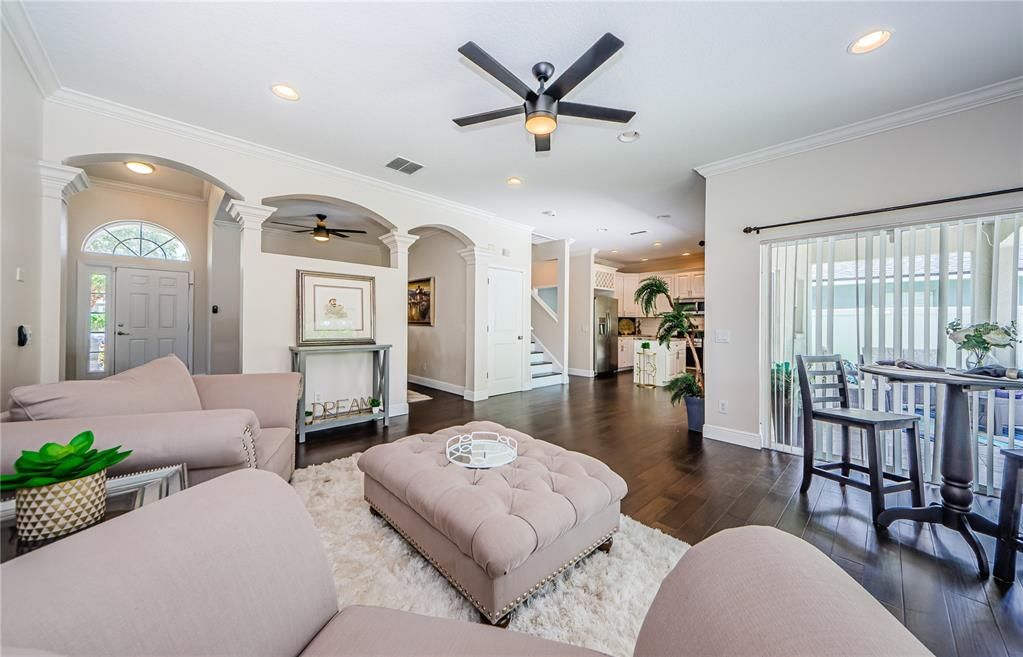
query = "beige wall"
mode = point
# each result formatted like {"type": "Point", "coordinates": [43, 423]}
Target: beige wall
{"type": "Point", "coordinates": [22, 109]}
{"type": "Point", "coordinates": [974, 151]}
{"type": "Point", "coordinates": [580, 309]}
{"type": "Point", "coordinates": [436, 354]}
{"type": "Point", "coordinates": [285, 242]}
{"type": "Point", "coordinates": [545, 272]}
{"type": "Point", "coordinates": [100, 204]}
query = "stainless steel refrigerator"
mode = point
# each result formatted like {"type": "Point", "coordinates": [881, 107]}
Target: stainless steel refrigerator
{"type": "Point", "coordinates": [605, 334]}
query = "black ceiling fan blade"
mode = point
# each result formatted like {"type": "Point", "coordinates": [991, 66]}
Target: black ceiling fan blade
{"type": "Point", "coordinates": [348, 230]}
{"type": "Point", "coordinates": [597, 112]}
{"type": "Point", "coordinates": [489, 116]}
{"type": "Point", "coordinates": [543, 143]}
{"type": "Point", "coordinates": [589, 62]}
{"type": "Point", "coordinates": [338, 233]}
{"type": "Point", "coordinates": [480, 58]}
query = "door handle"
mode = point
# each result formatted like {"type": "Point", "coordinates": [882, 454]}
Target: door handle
{"type": "Point", "coordinates": [123, 333]}
{"type": "Point", "coordinates": [520, 337]}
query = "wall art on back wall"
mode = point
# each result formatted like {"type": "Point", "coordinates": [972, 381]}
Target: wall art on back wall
{"type": "Point", "coordinates": [334, 309]}
{"type": "Point", "coordinates": [421, 301]}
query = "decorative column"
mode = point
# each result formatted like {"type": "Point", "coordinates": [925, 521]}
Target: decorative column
{"type": "Point", "coordinates": [399, 244]}
{"type": "Point", "coordinates": [58, 183]}
{"type": "Point", "coordinates": [477, 307]}
{"type": "Point", "coordinates": [250, 216]}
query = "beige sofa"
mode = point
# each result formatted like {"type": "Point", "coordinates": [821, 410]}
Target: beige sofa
{"type": "Point", "coordinates": [214, 424]}
{"type": "Point", "coordinates": [235, 567]}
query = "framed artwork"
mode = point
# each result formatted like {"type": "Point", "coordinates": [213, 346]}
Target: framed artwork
{"type": "Point", "coordinates": [420, 302]}
{"type": "Point", "coordinates": [334, 309]}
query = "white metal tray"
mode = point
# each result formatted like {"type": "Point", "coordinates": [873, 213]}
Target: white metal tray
{"type": "Point", "coordinates": [482, 449]}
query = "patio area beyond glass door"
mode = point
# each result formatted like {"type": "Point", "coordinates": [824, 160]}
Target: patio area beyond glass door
{"type": "Point", "coordinates": [888, 294]}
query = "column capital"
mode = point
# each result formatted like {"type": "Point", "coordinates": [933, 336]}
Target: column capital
{"type": "Point", "coordinates": [60, 181]}
{"type": "Point", "coordinates": [249, 216]}
{"type": "Point", "coordinates": [398, 242]}
{"type": "Point", "coordinates": [474, 255]}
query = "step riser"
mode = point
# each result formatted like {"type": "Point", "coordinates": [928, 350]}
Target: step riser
{"type": "Point", "coordinates": [547, 381]}
{"type": "Point", "coordinates": [542, 368]}
{"type": "Point", "coordinates": [536, 358]}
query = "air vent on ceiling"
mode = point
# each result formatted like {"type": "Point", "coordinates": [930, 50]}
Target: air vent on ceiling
{"type": "Point", "coordinates": [638, 232]}
{"type": "Point", "coordinates": [541, 239]}
{"type": "Point", "coordinates": [403, 165]}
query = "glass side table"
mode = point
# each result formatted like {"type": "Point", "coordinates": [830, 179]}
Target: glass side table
{"type": "Point", "coordinates": [124, 493]}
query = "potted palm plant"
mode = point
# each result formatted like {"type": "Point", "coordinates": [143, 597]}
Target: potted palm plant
{"type": "Point", "coordinates": [686, 387]}
{"type": "Point", "coordinates": [676, 321]}
{"type": "Point", "coordinates": [60, 488]}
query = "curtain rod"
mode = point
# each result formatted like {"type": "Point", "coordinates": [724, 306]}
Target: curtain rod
{"type": "Point", "coordinates": [953, 199]}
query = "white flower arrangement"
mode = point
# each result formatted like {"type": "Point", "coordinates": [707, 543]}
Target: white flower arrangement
{"type": "Point", "coordinates": [980, 339]}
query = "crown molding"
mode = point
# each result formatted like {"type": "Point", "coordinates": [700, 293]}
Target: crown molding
{"type": "Point", "coordinates": [60, 181]}
{"type": "Point", "coordinates": [89, 103]}
{"type": "Point", "coordinates": [993, 93]}
{"type": "Point", "coordinates": [26, 40]}
{"type": "Point", "coordinates": [134, 188]}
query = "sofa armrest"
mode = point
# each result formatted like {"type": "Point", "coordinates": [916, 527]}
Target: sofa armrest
{"type": "Point", "coordinates": [760, 591]}
{"type": "Point", "coordinates": [273, 397]}
{"type": "Point", "coordinates": [233, 566]}
{"type": "Point", "coordinates": [202, 439]}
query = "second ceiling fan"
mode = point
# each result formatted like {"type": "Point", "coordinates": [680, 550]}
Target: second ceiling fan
{"type": "Point", "coordinates": [543, 106]}
{"type": "Point", "coordinates": [321, 231]}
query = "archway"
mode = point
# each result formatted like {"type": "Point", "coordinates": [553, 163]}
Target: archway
{"type": "Point", "coordinates": [84, 161]}
{"type": "Point", "coordinates": [441, 304]}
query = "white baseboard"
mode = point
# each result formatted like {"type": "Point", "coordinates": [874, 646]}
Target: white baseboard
{"type": "Point", "coordinates": [577, 372]}
{"type": "Point", "coordinates": [733, 436]}
{"type": "Point", "coordinates": [399, 409]}
{"type": "Point", "coordinates": [475, 395]}
{"type": "Point", "coordinates": [437, 385]}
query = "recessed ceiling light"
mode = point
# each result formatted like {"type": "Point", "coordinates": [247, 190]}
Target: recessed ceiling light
{"type": "Point", "coordinates": [664, 216]}
{"type": "Point", "coordinates": [628, 136]}
{"type": "Point", "coordinates": [549, 213]}
{"type": "Point", "coordinates": [687, 253]}
{"type": "Point", "coordinates": [644, 259]}
{"type": "Point", "coordinates": [285, 92]}
{"type": "Point", "coordinates": [514, 180]}
{"type": "Point", "coordinates": [657, 243]}
{"type": "Point", "coordinates": [870, 42]}
{"type": "Point", "coordinates": [142, 168]}
{"type": "Point", "coordinates": [614, 250]}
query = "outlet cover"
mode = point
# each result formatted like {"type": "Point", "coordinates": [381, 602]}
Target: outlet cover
{"type": "Point", "coordinates": [723, 406]}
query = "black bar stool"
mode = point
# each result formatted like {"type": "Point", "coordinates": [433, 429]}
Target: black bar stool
{"type": "Point", "coordinates": [822, 384]}
{"type": "Point", "coordinates": [1010, 541]}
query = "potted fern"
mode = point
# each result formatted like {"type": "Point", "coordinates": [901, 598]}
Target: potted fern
{"type": "Point", "coordinates": [60, 488]}
{"type": "Point", "coordinates": [686, 387]}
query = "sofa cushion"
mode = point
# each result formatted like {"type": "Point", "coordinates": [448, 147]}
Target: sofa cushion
{"type": "Point", "coordinates": [499, 516]}
{"type": "Point", "coordinates": [732, 593]}
{"type": "Point", "coordinates": [377, 632]}
{"type": "Point", "coordinates": [160, 386]}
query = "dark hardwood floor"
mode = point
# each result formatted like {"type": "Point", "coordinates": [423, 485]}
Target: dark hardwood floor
{"type": "Point", "coordinates": [690, 488]}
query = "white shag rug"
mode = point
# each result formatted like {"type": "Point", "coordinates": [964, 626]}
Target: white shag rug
{"type": "Point", "coordinates": [412, 396]}
{"type": "Point", "coordinates": [600, 604]}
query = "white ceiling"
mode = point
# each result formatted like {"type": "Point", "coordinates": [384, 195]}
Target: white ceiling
{"type": "Point", "coordinates": [165, 178]}
{"type": "Point", "coordinates": [708, 81]}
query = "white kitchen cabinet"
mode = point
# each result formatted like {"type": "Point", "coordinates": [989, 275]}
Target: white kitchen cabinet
{"type": "Point", "coordinates": [696, 290]}
{"type": "Point", "coordinates": [663, 305]}
{"type": "Point", "coordinates": [626, 353]}
{"type": "Point", "coordinates": [620, 293]}
{"type": "Point", "coordinates": [683, 286]}
{"type": "Point", "coordinates": [629, 284]}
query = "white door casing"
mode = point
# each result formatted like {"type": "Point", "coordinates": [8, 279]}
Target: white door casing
{"type": "Point", "coordinates": [151, 316]}
{"type": "Point", "coordinates": [506, 336]}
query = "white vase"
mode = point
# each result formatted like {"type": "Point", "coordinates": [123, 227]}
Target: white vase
{"type": "Point", "coordinates": [46, 512]}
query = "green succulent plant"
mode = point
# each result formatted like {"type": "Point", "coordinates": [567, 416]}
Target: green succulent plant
{"type": "Point", "coordinates": [54, 463]}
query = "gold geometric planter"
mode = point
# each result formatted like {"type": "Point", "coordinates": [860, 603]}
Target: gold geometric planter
{"type": "Point", "coordinates": [48, 512]}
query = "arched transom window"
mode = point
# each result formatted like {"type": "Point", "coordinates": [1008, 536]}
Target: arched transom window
{"type": "Point", "coordinates": [139, 239]}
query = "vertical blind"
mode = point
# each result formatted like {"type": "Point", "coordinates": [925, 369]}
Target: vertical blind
{"type": "Point", "coordinates": [889, 293]}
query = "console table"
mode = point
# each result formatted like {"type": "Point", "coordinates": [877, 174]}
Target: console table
{"type": "Point", "coordinates": [381, 385]}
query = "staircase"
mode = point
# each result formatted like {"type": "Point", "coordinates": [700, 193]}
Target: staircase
{"type": "Point", "coordinates": [541, 366]}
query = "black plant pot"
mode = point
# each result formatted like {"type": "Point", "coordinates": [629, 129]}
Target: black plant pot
{"type": "Point", "coordinates": [694, 413]}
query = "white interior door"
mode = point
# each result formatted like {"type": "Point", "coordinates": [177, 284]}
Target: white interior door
{"type": "Point", "coordinates": [507, 342]}
{"type": "Point", "coordinates": [151, 316]}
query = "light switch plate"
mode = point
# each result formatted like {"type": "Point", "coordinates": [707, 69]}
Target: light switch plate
{"type": "Point", "coordinates": [19, 274]}
{"type": "Point", "coordinates": [722, 335]}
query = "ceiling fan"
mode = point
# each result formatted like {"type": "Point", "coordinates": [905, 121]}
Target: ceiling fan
{"type": "Point", "coordinates": [543, 106]}
{"type": "Point", "coordinates": [321, 232]}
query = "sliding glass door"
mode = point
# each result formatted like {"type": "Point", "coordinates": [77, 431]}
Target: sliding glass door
{"type": "Point", "coordinates": [888, 294]}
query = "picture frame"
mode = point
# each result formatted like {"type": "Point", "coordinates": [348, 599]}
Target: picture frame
{"type": "Point", "coordinates": [335, 309]}
{"type": "Point", "coordinates": [422, 301]}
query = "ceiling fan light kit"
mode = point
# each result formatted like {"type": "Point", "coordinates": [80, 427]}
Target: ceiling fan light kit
{"type": "Point", "coordinates": [543, 106]}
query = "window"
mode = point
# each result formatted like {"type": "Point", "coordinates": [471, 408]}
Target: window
{"type": "Point", "coordinates": [139, 239]}
{"type": "Point", "coordinates": [97, 363]}
{"type": "Point", "coordinates": [886, 294]}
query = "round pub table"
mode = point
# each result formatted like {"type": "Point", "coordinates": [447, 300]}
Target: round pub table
{"type": "Point", "coordinates": [956, 508]}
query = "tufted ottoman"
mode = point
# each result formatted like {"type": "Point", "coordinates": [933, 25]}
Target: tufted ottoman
{"type": "Point", "coordinates": [499, 534]}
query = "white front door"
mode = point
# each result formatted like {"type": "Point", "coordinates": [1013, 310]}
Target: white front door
{"type": "Point", "coordinates": [151, 316]}
{"type": "Point", "coordinates": [507, 342]}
